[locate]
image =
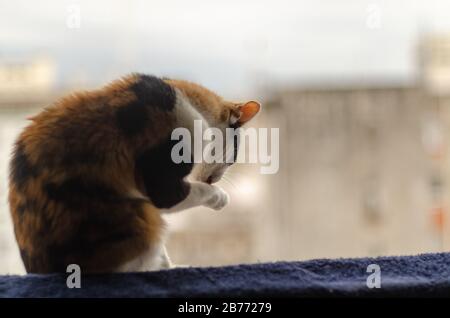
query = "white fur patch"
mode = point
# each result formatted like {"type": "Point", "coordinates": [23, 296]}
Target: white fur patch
{"type": "Point", "coordinates": [155, 258]}
{"type": "Point", "coordinates": [233, 119]}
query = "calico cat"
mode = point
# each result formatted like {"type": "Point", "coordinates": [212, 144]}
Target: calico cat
{"type": "Point", "coordinates": [92, 174]}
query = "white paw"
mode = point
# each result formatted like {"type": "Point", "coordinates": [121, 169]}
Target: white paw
{"type": "Point", "coordinates": [218, 198]}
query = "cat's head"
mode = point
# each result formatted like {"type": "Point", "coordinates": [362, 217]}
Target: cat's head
{"type": "Point", "coordinates": [218, 113]}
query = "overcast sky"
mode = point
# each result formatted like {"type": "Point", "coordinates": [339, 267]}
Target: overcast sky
{"type": "Point", "coordinates": [231, 46]}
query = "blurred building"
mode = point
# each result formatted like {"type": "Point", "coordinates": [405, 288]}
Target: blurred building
{"type": "Point", "coordinates": [27, 83]}
{"type": "Point", "coordinates": [356, 179]}
{"type": "Point", "coordinates": [34, 75]}
{"type": "Point", "coordinates": [434, 53]}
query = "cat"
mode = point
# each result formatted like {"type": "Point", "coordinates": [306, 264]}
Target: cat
{"type": "Point", "coordinates": [92, 174]}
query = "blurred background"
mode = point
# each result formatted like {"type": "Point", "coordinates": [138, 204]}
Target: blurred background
{"type": "Point", "coordinates": [360, 91]}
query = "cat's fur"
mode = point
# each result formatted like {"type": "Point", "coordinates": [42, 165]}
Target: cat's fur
{"type": "Point", "coordinates": [91, 175]}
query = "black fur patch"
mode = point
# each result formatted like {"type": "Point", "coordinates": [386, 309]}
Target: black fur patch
{"type": "Point", "coordinates": [150, 91]}
{"type": "Point", "coordinates": [21, 168]}
{"type": "Point", "coordinates": [21, 209]}
{"type": "Point", "coordinates": [163, 179]}
{"type": "Point", "coordinates": [76, 192]}
{"type": "Point", "coordinates": [132, 118]}
{"type": "Point", "coordinates": [153, 91]}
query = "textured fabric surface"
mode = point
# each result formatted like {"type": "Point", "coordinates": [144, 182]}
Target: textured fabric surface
{"type": "Point", "coordinates": [422, 275]}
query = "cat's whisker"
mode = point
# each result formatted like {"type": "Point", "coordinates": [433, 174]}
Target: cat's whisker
{"type": "Point", "coordinates": [227, 174]}
{"type": "Point", "coordinates": [238, 174]}
{"type": "Point", "coordinates": [232, 183]}
{"type": "Point", "coordinates": [225, 178]}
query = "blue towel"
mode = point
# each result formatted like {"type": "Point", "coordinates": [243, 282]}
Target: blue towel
{"type": "Point", "coordinates": [422, 275]}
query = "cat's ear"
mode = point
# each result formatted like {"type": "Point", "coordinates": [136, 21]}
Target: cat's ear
{"type": "Point", "coordinates": [247, 111]}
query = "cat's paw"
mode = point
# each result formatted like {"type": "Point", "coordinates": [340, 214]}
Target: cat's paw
{"type": "Point", "coordinates": [218, 198]}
